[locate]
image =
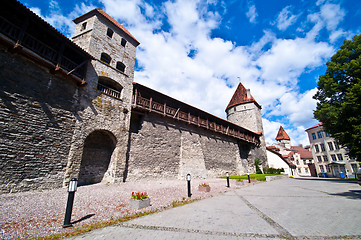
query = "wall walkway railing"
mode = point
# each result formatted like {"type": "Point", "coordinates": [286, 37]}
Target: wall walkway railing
{"type": "Point", "coordinates": [163, 109]}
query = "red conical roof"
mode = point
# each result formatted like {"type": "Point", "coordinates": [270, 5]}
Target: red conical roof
{"type": "Point", "coordinates": [240, 97]}
{"type": "Point", "coordinates": [282, 135]}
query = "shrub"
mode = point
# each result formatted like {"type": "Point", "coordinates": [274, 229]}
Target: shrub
{"type": "Point", "coordinates": [257, 163]}
{"type": "Point", "coordinates": [273, 170]}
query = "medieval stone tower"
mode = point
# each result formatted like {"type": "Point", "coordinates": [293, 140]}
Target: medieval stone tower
{"type": "Point", "coordinates": [99, 145]}
{"type": "Point", "coordinates": [244, 111]}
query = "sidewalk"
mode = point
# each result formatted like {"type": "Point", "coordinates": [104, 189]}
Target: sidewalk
{"type": "Point", "coordinates": [281, 209]}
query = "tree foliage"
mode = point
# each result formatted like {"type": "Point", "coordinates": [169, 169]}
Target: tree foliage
{"type": "Point", "coordinates": [339, 96]}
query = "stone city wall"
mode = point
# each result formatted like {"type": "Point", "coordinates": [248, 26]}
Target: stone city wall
{"type": "Point", "coordinates": [165, 148]}
{"type": "Point", "coordinates": [37, 123]}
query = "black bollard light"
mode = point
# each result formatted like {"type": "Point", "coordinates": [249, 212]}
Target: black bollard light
{"type": "Point", "coordinates": [227, 175]}
{"type": "Point", "coordinates": [69, 205]}
{"type": "Point", "coordinates": [249, 179]}
{"type": "Point", "coordinates": [189, 185]}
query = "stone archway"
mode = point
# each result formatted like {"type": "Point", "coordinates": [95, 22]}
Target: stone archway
{"type": "Point", "coordinates": [98, 149]}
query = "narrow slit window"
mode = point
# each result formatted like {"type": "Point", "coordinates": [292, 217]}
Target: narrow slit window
{"type": "Point", "coordinates": [105, 58]}
{"type": "Point", "coordinates": [110, 33]}
{"type": "Point", "coordinates": [120, 66]}
{"type": "Point", "coordinates": [124, 42]}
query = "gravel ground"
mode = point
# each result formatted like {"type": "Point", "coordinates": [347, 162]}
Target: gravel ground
{"type": "Point", "coordinates": [34, 214]}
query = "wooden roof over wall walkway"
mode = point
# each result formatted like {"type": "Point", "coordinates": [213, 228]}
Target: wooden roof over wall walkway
{"type": "Point", "coordinates": [147, 99]}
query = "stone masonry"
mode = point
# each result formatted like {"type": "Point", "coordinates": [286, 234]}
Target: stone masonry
{"type": "Point", "coordinates": [71, 112]}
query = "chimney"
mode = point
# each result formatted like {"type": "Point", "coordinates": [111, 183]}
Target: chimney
{"type": "Point", "coordinates": [248, 93]}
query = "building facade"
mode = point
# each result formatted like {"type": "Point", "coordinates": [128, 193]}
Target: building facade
{"type": "Point", "coordinates": [72, 109]}
{"type": "Point", "coordinates": [300, 159]}
{"type": "Point", "coordinates": [328, 155]}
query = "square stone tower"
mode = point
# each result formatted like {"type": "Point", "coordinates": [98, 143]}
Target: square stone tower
{"type": "Point", "coordinates": [98, 151]}
{"type": "Point", "coordinates": [107, 40]}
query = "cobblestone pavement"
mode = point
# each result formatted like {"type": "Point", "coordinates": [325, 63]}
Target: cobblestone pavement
{"type": "Point", "coordinates": [303, 208]}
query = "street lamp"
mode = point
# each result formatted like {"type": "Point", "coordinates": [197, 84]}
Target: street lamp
{"type": "Point", "coordinates": [69, 205]}
{"type": "Point", "coordinates": [189, 185]}
{"type": "Point", "coordinates": [227, 175]}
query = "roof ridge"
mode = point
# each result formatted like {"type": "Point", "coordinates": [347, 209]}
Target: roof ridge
{"type": "Point", "coordinates": [109, 18]}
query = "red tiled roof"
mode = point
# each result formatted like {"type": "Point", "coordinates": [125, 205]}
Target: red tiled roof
{"type": "Point", "coordinates": [240, 97]}
{"type": "Point", "coordinates": [282, 135]}
{"type": "Point", "coordinates": [283, 157]}
{"type": "Point", "coordinates": [104, 14]}
{"type": "Point", "coordinates": [304, 153]}
{"type": "Point", "coordinates": [317, 125]}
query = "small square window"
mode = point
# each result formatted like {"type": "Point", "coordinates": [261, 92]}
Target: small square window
{"type": "Point", "coordinates": [319, 134]}
{"type": "Point", "coordinates": [120, 66]}
{"type": "Point", "coordinates": [83, 26]}
{"type": "Point", "coordinates": [339, 156]}
{"type": "Point", "coordinates": [124, 42]}
{"type": "Point", "coordinates": [333, 156]}
{"type": "Point", "coordinates": [110, 33]}
{"type": "Point", "coordinates": [313, 136]}
{"type": "Point", "coordinates": [319, 159]}
{"type": "Point", "coordinates": [325, 158]}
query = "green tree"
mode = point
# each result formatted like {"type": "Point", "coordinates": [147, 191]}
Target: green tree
{"type": "Point", "coordinates": [339, 96]}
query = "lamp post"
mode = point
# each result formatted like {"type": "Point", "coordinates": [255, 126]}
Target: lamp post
{"type": "Point", "coordinates": [189, 185]}
{"type": "Point", "coordinates": [69, 205]}
{"type": "Point", "coordinates": [227, 175]}
{"type": "Point", "coordinates": [249, 179]}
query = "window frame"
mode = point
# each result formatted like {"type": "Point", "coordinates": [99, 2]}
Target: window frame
{"type": "Point", "coordinates": [319, 134]}
{"type": "Point", "coordinates": [330, 146]}
{"type": "Point", "coordinates": [104, 55]}
{"type": "Point", "coordinates": [314, 137]}
{"type": "Point", "coordinates": [317, 149]}
{"type": "Point", "coordinates": [110, 32]}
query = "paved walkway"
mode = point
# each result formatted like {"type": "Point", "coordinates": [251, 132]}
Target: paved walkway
{"type": "Point", "coordinates": [283, 209]}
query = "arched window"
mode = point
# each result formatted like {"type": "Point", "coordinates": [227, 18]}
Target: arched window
{"type": "Point", "coordinates": [105, 58]}
{"type": "Point", "coordinates": [120, 66]}
{"type": "Point", "coordinates": [110, 87]}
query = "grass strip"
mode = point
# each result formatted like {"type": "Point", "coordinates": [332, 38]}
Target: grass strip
{"type": "Point", "coordinates": [101, 224]}
{"type": "Point", "coordinates": [259, 177]}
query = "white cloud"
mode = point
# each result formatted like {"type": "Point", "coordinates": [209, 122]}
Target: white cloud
{"type": "Point", "coordinates": [64, 23]}
{"type": "Point", "coordinates": [332, 14]}
{"type": "Point", "coordinates": [252, 13]}
{"type": "Point", "coordinates": [288, 58]}
{"type": "Point", "coordinates": [285, 18]}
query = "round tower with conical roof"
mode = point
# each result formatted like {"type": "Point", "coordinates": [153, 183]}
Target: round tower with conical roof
{"type": "Point", "coordinates": [244, 111]}
{"type": "Point", "coordinates": [283, 138]}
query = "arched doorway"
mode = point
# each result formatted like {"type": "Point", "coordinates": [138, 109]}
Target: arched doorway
{"type": "Point", "coordinates": [97, 151]}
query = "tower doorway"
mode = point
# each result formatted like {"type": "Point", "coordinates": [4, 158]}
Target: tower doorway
{"type": "Point", "coordinates": [98, 149]}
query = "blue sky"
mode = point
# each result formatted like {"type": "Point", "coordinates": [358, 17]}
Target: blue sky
{"type": "Point", "coordinates": [198, 51]}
